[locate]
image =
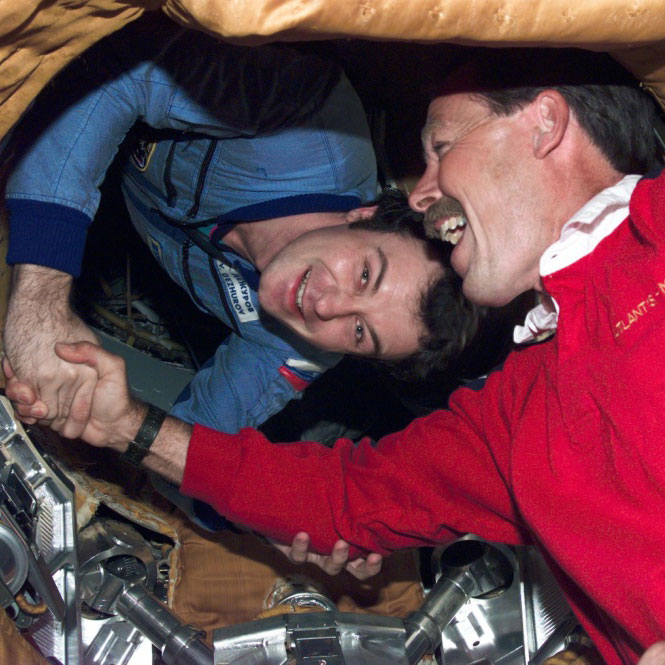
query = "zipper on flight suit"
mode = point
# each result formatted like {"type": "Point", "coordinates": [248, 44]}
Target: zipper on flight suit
{"type": "Point", "coordinates": [171, 193]}
{"type": "Point", "coordinates": [213, 253]}
{"type": "Point", "coordinates": [194, 236]}
{"type": "Point", "coordinates": [188, 275]}
{"type": "Point", "coordinates": [203, 172]}
{"type": "Point", "coordinates": [218, 283]}
{"type": "Point", "coordinates": [222, 294]}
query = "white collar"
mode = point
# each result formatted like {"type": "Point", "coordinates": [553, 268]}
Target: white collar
{"type": "Point", "coordinates": [580, 235]}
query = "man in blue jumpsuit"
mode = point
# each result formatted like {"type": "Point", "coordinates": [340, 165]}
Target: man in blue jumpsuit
{"type": "Point", "coordinates": [223, 136]}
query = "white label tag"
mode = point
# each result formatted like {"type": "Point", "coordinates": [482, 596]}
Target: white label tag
{"type": "Point", "coordinates": [240, 295]}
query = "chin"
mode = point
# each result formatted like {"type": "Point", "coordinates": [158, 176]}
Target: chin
{"type": "Point", "coordinates": [267, 303]}
{"type": "Point", "coordinates": [484, 296]}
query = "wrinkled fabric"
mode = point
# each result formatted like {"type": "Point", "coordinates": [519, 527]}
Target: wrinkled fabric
{"type": "Point", "coordinates": [224, 579]}
{"type": "Point", "coordinates": [39, 37]}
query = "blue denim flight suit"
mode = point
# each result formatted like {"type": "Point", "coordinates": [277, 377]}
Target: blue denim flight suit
{"type": "Point", "coordinates": [220, 134]}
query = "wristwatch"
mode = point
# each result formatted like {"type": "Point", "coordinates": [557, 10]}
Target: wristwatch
{"type": "Point", "coordinates": [140, 445]}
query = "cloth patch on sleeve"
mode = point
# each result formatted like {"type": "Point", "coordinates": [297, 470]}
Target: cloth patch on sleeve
{"type": "Point", "coordinates": [142, 153]}
{"type": "Point", "coordinates": [300, 372]}
{"type": "Point", "coordinates": [155, 249]}
{"type": "Point", "coordinates": [306, 367]}
{"type": "Point", "coordinates": [296, 381]}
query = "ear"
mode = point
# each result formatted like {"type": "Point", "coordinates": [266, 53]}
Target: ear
{"type": "Point", "coordinates": [360, 213]}
{"type": "Point", "coordinates": [552, 115]}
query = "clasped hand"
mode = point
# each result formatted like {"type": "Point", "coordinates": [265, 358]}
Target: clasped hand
{"type": "Point", "coordinates": [104, 423]}
{"type": "Point", "coordinates": [46, 389]}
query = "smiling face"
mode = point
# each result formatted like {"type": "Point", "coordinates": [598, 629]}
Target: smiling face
{"type": "Point", "coordinates": [483, 190]}
{"type": "Point", "coordinates": [351, 290]}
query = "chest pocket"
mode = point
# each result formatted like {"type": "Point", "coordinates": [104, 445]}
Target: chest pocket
{"type": "Point", "coordinates": [186, 114]}
{"type": "Point", "coordinates": [174, 173]}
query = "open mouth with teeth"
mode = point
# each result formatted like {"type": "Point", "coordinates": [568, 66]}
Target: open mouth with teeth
{"type": "Point", "coordinates": [301, 290]}
{"type": "Point", "coordinates": [453, 229]}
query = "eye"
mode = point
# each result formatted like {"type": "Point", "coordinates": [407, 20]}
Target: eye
{"type": "Point", "coordinates": [359, 332]}
{"type": "Point", "coordinates": [439, 148]}
{"type": "Point", "coordinates": [364, 275]}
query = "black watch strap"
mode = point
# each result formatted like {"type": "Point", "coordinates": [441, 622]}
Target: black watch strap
{"type": "Point", "coordinates": [139, 447]}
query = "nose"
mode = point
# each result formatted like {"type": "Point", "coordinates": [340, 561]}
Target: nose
{"type": "Point", "coordinates": [333, 303]}
{"type": "Point", "coordinates": [426, 190]}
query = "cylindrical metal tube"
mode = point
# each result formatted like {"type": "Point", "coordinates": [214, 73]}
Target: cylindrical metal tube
{"type": "Point", "coordinates": [180, 644]}
{"type": "Point", "coordinates": [471, 569]}
{"type": "Point", "coordinates": [424, 626]}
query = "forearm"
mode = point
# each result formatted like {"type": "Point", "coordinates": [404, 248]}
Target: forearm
{"type": "Point", "coordinates": [39, 316]}
{"type": "Point", "coordinates": [406, 491]}
{"type": "Point", "coordinates": [38, 285]}
{"type": "Point", "coordinates": [279, 490]}
{"type": "Point", "coordinates": [168, 452]}
{"type": "Point", "coordinates": [38, 304]}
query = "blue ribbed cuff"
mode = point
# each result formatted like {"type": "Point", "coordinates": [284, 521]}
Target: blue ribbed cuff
{"type": "Point", "coordinates": [46, 234]}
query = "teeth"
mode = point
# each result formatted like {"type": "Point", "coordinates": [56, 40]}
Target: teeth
{"type": "Point", "coordinates": [452, 229]}
{"type": "Point", "coordinates": [454, 236]}
{"type": "Point", "coordinates": [301, 290]}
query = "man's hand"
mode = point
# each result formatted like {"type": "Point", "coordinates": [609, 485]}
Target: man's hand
{"type": "Point", "coordinates": [114, 417]}
{"type": "Point", "coordinates": [333, 563]}
{"type": "Point", "coordinates": [45, 389]}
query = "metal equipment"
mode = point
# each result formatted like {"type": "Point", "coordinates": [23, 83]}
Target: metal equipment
{"type": "Point", "coordinates": [92, 598]}
{"type": "Point", "coordinates": [471, 568]}
{"type": "Point", "coordinates": [38, 581]}
{"type": "Point", "coordinates": [118, 573]}
{"type": "Point", "coordinates": [480, 609]}
{"type": "Point", "coordinates": [83, 599]}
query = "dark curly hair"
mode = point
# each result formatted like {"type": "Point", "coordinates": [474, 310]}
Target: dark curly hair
{"type": "Point", "coordinates": [449, 319]}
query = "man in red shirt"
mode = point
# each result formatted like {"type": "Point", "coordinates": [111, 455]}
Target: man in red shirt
{"type": "Point", "coordinates": [534, 171]}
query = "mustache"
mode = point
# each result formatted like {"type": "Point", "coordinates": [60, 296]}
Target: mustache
{"type": "Point", "coordinates": [444, 207]}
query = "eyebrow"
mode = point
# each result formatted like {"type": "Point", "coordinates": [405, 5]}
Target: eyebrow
{"type": "Point", "coordinates": [383, 266]}
{"type": "Point", "coordinates": [378, 349]}
{"type": "Point", "coordinates": [426, 135]}
{"type": "Point", "coordinates": [431, 125]}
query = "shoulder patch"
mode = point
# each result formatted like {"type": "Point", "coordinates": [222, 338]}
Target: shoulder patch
{"type": "Point", "coordinates": [155, 249]}
{"type": "Point", "coordinates": [142, 153]}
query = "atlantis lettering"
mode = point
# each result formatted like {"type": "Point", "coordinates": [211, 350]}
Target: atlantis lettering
{"type": "Point", "coordinates": [638, 312]}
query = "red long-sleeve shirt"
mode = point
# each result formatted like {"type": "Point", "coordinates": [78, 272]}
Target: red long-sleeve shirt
{"type": "Point", "coordinates": [564, 448]}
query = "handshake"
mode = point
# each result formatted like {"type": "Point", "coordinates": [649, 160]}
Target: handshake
{"type": "Point", "coordinates": [104, 414]}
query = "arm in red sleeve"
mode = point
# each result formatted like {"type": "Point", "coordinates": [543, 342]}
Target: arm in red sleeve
{"type": "Point", "coordinates": [427, 484]}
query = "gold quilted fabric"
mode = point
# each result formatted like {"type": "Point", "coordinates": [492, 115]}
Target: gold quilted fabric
{"type": "Point", "coordinates": [39, 37]}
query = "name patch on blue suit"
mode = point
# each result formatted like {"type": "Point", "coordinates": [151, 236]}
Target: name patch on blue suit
{"type": "Point", "coordinates": [240, 295]}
